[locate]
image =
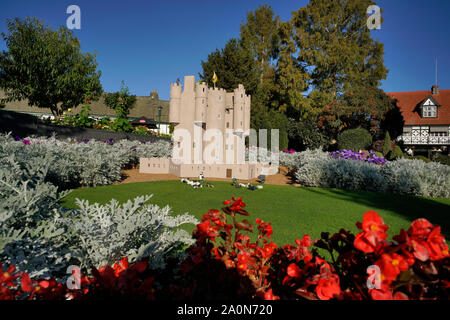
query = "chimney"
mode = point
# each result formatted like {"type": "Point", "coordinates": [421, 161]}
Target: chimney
{"type": "Point", "coordinates": [435, 89]}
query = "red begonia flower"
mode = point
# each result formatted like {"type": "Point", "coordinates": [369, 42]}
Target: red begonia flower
{"type": "Point", "coordinates": [328, 287]}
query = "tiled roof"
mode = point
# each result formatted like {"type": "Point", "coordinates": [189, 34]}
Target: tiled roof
{"type": "Point", "coordinates": [408, 103]}
{"type": "Point", "coordinates": [144, 107]}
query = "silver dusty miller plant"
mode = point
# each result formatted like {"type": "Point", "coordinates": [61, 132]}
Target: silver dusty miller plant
{"type": "Point", "coordinates": [105, 234]}
{"type": "Point", "coordinates": [32, 235]}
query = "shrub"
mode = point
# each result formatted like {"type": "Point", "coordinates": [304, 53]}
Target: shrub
{"type": "Point", "coordinates": [82, 163]}
{"type": "Point", "coordinates": [106, 233]}
{"type": "Point", "coordinates": [387, 146]}
{"type": "Point", "coordinates": [396, 153]}
{"type": "Point", "coordinates": [121, 102]}
{"type": "Point", "coordinates": [441, 158]}
{"type": "Point", "coordinates": [402, 176]}
{"type": "Point", "coordinates": [223, 263]}
{"type": "Point", "coordinates": [355, 139]}
{"type": "Point", "coordinates": [418, 157]}
{"type": "Point", "coordinates": [418, 178]}
{"type": "Point", "coordinates": [43, 239]}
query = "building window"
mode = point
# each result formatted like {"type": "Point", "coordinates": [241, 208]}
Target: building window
{"type": "Point", "coordinates": [219, 116]}
{"type": "Point", "coordinates": [228, 124]}
{"type": "Point", "coordinates": [179, 144]}
{"type": "Point", "coordinates": [429, 112]}
{"type": "Point", "coordinates": [438, 134]}
{"type": "Point", "coordinates": [220, 98]}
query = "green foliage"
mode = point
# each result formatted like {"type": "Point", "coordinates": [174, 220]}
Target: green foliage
{"type": "Point", "coordinates": [233, 65]}
{"type": "Point", "coordinates": [418, 157]}
{"type": "Point", "coordinates": [355, 139]}
{"type": "Point", "coordinates": [441, 158]}
{"type": "Point", "coordinates": [378, 154]}
{"type": "Point", "coordinates": [396, 153]}
{"type": "Point", "coordinates": [328, 30]}
{"type": "Point", "coordinates": [305, 134]}
{"type": "Point", "coordinates": [83, 119]}
{"type": "Point", "coordinates": [387, 146]}
{"type": "Point", "coordinates": [259, 35]}
{"type": "Point", "coordinates": [121, 102]}
{"type": "Point", "coordinates": [46, 67]}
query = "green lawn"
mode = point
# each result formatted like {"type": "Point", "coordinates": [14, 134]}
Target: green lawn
{"type": "Point", "coordinates": [292, 211]}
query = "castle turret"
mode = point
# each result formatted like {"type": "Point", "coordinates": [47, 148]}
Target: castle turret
{"type": "Point", "coordinates": [201, 96]}
{"type": "Point", "coordinates": [175, 103]}
{"type": "Point", "coordinates": [238, 112]}
{"type": "Point", "coordinates": [247, 115]}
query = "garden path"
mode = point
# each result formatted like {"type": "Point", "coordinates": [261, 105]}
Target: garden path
{"type": "Point", "coordinates": [133, 175]}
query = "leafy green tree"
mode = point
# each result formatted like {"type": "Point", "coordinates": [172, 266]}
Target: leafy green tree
{"type": "Point", "coordinates": [121, 102]}
{"type": "Point", "coordinates": [305, 134]}
{"type": "Point", "coordinates": [291, 76]}
{"type": "Point", "coordinates": [46, 67]}
{"type": "Point", "coordinates": [335, 44]}
{"type": "Point", "coordinates": [233, 65]}
{"type": "Point", "coordinates": [259, 35]}
{"type": "Point", "coordinates": [344, 66]}
{"type": "Point", "coordinates": [355, 139]}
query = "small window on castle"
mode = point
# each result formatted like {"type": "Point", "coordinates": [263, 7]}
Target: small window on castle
{"type": "Point", "coordinates": [203, 100]}
{"type": "Point", "coordinates": [203, 89]}
{"type": "Point", "coordinates": [193, 144]}
{"type": "Point", "coordinates": [242, 95]}
{"type": "Point", "coordinates": [228, 124]}
{"type": "Point", "coordinates": [241, 123]}
{"type": "Point", "coordinates": [219, 116]}
{"type": "Point", "coordinates": [220, 98]}
{"type": "Point", "coordinates": [178, 144]}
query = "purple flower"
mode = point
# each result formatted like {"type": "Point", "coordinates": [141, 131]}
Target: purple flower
{"type": "Point", "coordinates": [17, 139]}
{"type": "Point", "coordinates": [358, 156]}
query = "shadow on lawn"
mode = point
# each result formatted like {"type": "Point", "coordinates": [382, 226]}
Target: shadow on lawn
{"type": "Point", "coordinates": [409, 207]}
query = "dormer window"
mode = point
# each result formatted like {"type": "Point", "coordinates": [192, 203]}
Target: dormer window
{"type": "Point", "coordinates": [429, 112]}
{"type": "Point", "coordinates": [429, 108]}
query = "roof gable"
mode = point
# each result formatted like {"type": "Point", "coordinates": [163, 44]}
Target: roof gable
{"type": "Point", "coordinates": [410, 104]}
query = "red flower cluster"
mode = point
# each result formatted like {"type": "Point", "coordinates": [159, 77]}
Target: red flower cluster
{"type": "Point", "coordinates": [225, 262]}
{"type": "Point", "coordinates": [374, 232]}
{"type": "Point", "coordinates": [422, 241]}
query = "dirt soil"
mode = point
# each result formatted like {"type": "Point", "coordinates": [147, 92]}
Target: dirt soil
{"type": "Point", "coordinates": [132, 175]}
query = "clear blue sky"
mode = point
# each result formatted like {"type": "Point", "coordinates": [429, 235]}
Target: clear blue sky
{"type": "Point", "coordinates": [150, 44]}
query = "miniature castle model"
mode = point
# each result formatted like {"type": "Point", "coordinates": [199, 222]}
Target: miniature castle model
{"type": "Point", "coordinates": [210, 126]}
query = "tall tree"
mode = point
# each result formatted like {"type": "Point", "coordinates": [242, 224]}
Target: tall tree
{"type": "Point", "coordinates": [233, 65]}
{"type": "Point", "coordinates": [46, 67]}
{"type": "Point", "coordinates": [335, 44]}
{"type": "Point", "coordinates": [291, 75]}
{"type": "Point", "coordinates": [259, 34]}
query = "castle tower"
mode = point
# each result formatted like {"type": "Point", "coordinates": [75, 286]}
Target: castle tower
{"type": "Point", "coordinates": [201, 96]}
{"type": "Point", "coordinates": [238, 112]}
{"type": "Point", "coordinates": [215, 116]}
{"type": "Point", "coordinates": [175, 103]}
